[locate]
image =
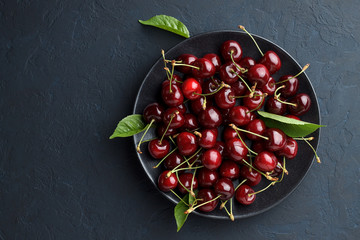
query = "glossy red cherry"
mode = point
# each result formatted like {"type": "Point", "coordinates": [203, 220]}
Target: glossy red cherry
{"type": "Point", "coordinates": [158, 150]}
{"type": "Point", "coordinates": [197, 105]}
{"type": "Point", "coordinates": [225, 188]}
{"type": "Point", "coordinates": [225, 98]}
{"type": "Point", "coordinates": [229, 169]}
{"type": "Point", "coordinates": [233, 48]}
{"type": "Point", "coordinates": [211, 159]}
{"type": "Point", "coordinates": [265, 161]}
{"type": "Point", "coordinates": [277, 139]}
{"type": "Point", "coordinates": [258, 146]}
{"type": "Point", "coordinates": [215, 59]}
{"type": "Point", "coordinates": [274, 106]}
{"type": "Point", "coordinates": [191, 89]}
{"type": "Point", "coordinates": [191, 122]}
{"type": "Point", "coordinates": [229, 72]}
{"type": "Point", "coordinates": [290, 149]}
{"type": "Point", "coordinates": [236, 150]}
{"type": "Point", "coordinates": [206, 195]}
{"type": "Point", "coordinates": [242, 195]}
{"type": "Point", "coordinates": [178, 119]}
{"type": "Point", "coordinates": [229, 133]}
{"type": "Point", "coordinates": [239, 115]}
{"type": "Point", "coordinates": [271, 61]}
{"type": "Point", "coordinates": [186, 179]}
{"type": "Point", "coordinates": [186, 143]}
{"type": "Point", "coordinates": [291, 86]}
{"type": "Point", "coordinates": [256, 126]}
{"type": "Point", "coordinates": [166, 183]}
{"type": "Point", "coordinates": [256, 101]}
{"type": "Point", "coordinates": [182, 108]}
{"type": "Point", "coordinates": [208, 138]}
{"type": "Point", "coordinates": [247, 62]}
{"type": "Point", "coordinates": [153, 111]}
{"type": "Point", "coordinates": [210, 86]}
{"type": "Point", "coordinates": [173, 160]}
{"type": "Point", "coordinates": [187, 59]}
{"type": "Point", "coordinates": [303, 103]}
{"type": "Point", "coordinates": [258, 74]}
{"type": "Point", "coordinates": [293, 117]}
{"type": "Point", "coordinates": [160, 129]}
{"type": "Point", "coordinates": [173, 98]}
{"type": "Point", "coordinates": [239, 88]}
{"type": "Point", "coordinates": [207, 177]}
{"type": "Point", "coordinates": [252, 176]}
{"type": "Point", "coordinates": [270, 87]}
{"type": "Point", "coordinates": [210, 118]}
{"type": "Point", "coordinates": [205, 68]}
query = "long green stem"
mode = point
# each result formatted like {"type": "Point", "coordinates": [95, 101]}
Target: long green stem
{"type": "Point", "coordinates": [244, 142]}
{"type": "Point", "coordinates": [179, 197]}
{"type": "Point", "coordinates": [163, 56]}
{"type": "Point", "coordinates": [243, 28]}
{"type": "Point", "coordinates": [317, 157]}
{"type": "Point", "coordinates": [271, 184]}
{"type": "Point", "coordinates": [243, 80]}
{"type": "Point", "coordinates": [197, 206]}
{"type": "Point", "coordinates": [142, 137]}
{"type": "Point", "coordinates": [259, 105]}
{"type": "Point", "coordinates": [266, 176]}
{"type": "Point", "coordinates": [167, 127]}
{"type": "Point", "coordinates": [302, 70]}
{"type": "Point", "coordinates": [167, 155]}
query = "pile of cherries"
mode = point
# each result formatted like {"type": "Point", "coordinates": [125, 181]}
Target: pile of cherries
{"type": "Point", "coordinates": [209, 134]}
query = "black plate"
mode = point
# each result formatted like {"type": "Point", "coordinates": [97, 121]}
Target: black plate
{"type": "Point", "coordinates": [210, 43]}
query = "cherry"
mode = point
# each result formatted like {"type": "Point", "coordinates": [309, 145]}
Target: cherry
{"type": "Point", "coordinates": [229, 169]}
{"type": "Point", "coordinates": [252, 176]}
{"type": "Point", "coordinates": [278, 169]}
{"type": "Point", "coordinates": [291, 86]}
{"type": "Point", "coordinates": [271, 61]}
{"type": "Point", "coordinates": [186, 179]}
{"type": "Point", "coordinates": [210, 118]}
{"type": "Point", "coordinates": [211, 159]}
{"type": "Point", "coordinates": [158, 149]}
{"type": "Point", "coordinates": [207, 177]}
{"type": "Point", "coordinates": [258, 74]}
{"type": "Point", "coordinates": [303, 103]}
{"type": "Point", "coordinates": [265, 161]}
{"type": "Point", "coordinates": [229, 72]}
{"type": "Point", "coordinates": [220, 146]}
{"type": "Point", "coordinates": [182, 108]}
{"type": "Point", "coordinates": [277, 139]}
{"type": "Point", "coordinates": [247, 62]}
{"type": "Point", "coordinates": [160, 129]}
{"type": "Point", "coordinates": [166, 183]}
{"type": "Point", "coordinates": [256, 126]}
{"type": "Point", "coordinates": [225, 98]}
{"type": "Point", "coordinates": [229, 133]}
{"type": "Point", "coordinates": [208, 138]}
{"type": "Point", "coordinates": [176, 80]}
{"type": "Point", "coordinates": [206, 195]}
{"type": "Point", "coordinates": [153, 111]}
{"type": "Point", "coordinates": [191, 89]}
{"type": "Point", "coordinates": [186, 143]}
{"type": "Point", "coordinates": [258, 146]}
{"type": "Point", "coordinates": [197, 105]}
{"type": "Point", "coordinates": [191, 122]}
{"type": "Point", "coordinates": [236, 150]}
{"type": "Point", "coordinates": [290, 149]}
{"type": "Point", "coordinates": [242, 195]}
{"type": "Point", "coordinates": [274, 106]}
{"type": "Point", "coordinates": [173, 118]}
{"type": "Point", "coordinates": [270, 87]}
{"type": "Point", "coordinates": [173, 160]}
{"type": "Point", "coordinates": [238, 87]}
{"type": "Point", "coordinates": [239, 115]}
{"type": "Point", "coordinates": [210, 86]}
{"type": "Point", "coordinates": [204, 69]}
{"type": "Point", "coordinates": [187, 59]}
{"type": "Point", "coordinates": [293, 117]}
{"type": "Point", "coordinates": [215, 59]}
{"type": "Point", "coordinates": [174, 97]}
{"type": "Point", "coordinates": [230, 49]}
{"type": "Point", "coordinates": [225, 188]}
{"type": "Point", "coordinates": [255, 102]}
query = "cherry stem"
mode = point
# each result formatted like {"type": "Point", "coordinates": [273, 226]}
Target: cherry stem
{"type": "Point", "coordinates": [224, 207]}
{"type": "Point", "coordinates": [186, 65]}
{"type": "Point", "coordinates": [255, 95]}
{"type": "Point", "coordinates": [266, 176]}
{"type": "Point", "coordinates": [204, 104]}
{"type": "Point", "coordinates": [277, 97]}
{"type": "Point", "coordinates": [243, 28]}
{"type": "Point", "coordinates": [231, 210]}
{"type": "Point", "coordinates": [244, 142]}
{"type": "Point", "coordinates": [192, 184]}
{"type": "Point", "coordinates": [197, 134]}
{"type": "Point", "coordinates": [194, 156]}
{"type": "Point", "coordinates": [167, 155]}
{"type": "Point", "coordinates": [317, 157]}
{"type": "Point", "coordinates": [180, 169]}
{"type": "Point", "coordinates": [242, 80]}
{"type": "Point", "coordinates": [259, 105]}
{"type": "Point", "coordinates": [302, 70]}
{"type": "Point", "coordinates": [254, 193]}
{"type": "Point", "coordinates": [283, 168]}
{"type": "Point", "coordinates": [282, 175]}
{"type": "Point", "coordinates": [147, 129]}
{"type": "Point", "coordinates": [193, 208]}
{"type": "Point", "coordinates": [243, 130]}
{"type": "Point", "coordinates": [301, 139]}
{"type": "Point", "coordinates": [177, 176]}
{"type": "Point", "coordinates": [167, 127]}
{"type": "Point", "coordinates": [163, 56]}
{"type": "Point", "coordinates": [179, 197]}
{"type": "Point", "coordinates": [222, 85]}
{"type": "Point", "coordinates": [242, 70]}
{"type": "Point", "coordinates": [172, 140]}
{"type": "Point", "coordinates": [171, 75]}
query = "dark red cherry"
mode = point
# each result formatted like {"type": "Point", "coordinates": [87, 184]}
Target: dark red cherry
{"type": "Point", "coordinates": [236, 150]}
{"type": "Point", "coordinates": [191, 88]}
{"type": "Point", "coordinates": [191, 122]}
{"type": "Point", "coordinates": [210, 118]}
{"type": "Point", "coordinates": [186, 143]}
{"type": "Point", "coordinates": [153, 111]}
{"type": "Point", "coordinates": [220, 146]}
{"type": "Point", "coordinates": [206, 195]}
{"type": "Point", "coordinates": [265, 161]}
{"type": "Point", "coordinates": [197, 105]}
{"type": "Point", "coordinates": [274, 106]}
{"type": "Point", "coordinates": [291, 86]}
{"type": "Point", "coordinates": [225, 98]}
{"type": "Point", "coordinates": [160, 129]}
{"type": "Point", "coordinates": [252, 116]}
{"type": "Point", "coordinates": [270, 87]}
{"type": "Point", "coordinates": [229, 72]}
{"type": "Point", "coordinates": [303, 103]}
{"type": "Point", "coordinates": [290, 149]}
{"type": "Point", "coordinates": [258, 74]}
{"type": "Point", "coordinates": [229, 133]}
{"type": "Point", "coordinates": [239, 88]}
{"type": "Point", "coordinates": [229, 169]}
{"type": "Point", "coordinates": [242, 195]}
{"type": "Point", "coordinates": [185, 59]}
{"type": "Point", "coordinates": [229, 48]}
{"type": "Point", "coordinates": [211, 159]}
{"type": "Point", "coordinates": [258, 146]}
{"type": "Point", "coordinates": [207, 177]}
{"type": "Point", "coordinates": [186, 179]}
{"type": "Point", "coordinates": [166, 183]}
{"type": "Point", "coordinates": [208, 138]}
{"type": "Point", "coordinates": [173, 98]}
{"type": "Point", "coordinates": [247, 62]}
{"type": "Point", "coordinates": [271, 61]}
{"type": "Point", "coordinates": [158, 150]}
{"type": "Point", "coordinates": [225, 188]}
{"type": "Point", "coordinates": [277, 139]}
{"type": "Point", "coordinates": [173, 160]}
{"type": "Point", "coordinates": [182, 108]}
{"type": "Point", "coordinates": [178, 119]}
{"type": "Point", "coordinates": [252, 176]}
{"type": "Point", "coordinates": [239, 115]}
{"type": "Point", "coordinates": [278, 169]}
{"type": "Point", "coordinates": [293, 117]}
{"type": "Point", "coordinates": [255, 102]}
{"type": "Point", "coordinates": [176, 80]}
{"type": "Point", "coordinates": [210, 86]}
{"type": "Point", "coordinates": [256, 126]}
{"type": "Point", "coordinates": [215, 59]}
{"type": "Point", "coordinates": [206, 68]}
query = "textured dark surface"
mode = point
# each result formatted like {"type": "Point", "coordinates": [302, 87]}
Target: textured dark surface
{"type": "Point", "coordinates": [71, 69]}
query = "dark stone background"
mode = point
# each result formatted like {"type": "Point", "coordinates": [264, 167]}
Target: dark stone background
{"type": "Point", "coordinates": [69, 70]}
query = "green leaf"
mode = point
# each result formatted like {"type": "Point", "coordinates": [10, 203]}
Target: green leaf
{"type": "Point", "coordinates": [291, 127]}
{"type": "Point", "coordinates": [129, 126]}
{"type": "Point", "coordinates": [179, 212]}
{"type": "Point", "coordinates": [168, 23]}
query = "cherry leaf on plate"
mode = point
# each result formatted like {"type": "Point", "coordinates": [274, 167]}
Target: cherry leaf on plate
{"type": "Point", "coordinates": [168, 23]}
{"type": "Point", "coordinates": [179, 212]}
{"type": "Point", "coordinates": [291, 127]}
{"type": "Point", "coordinates": [129, 126]}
